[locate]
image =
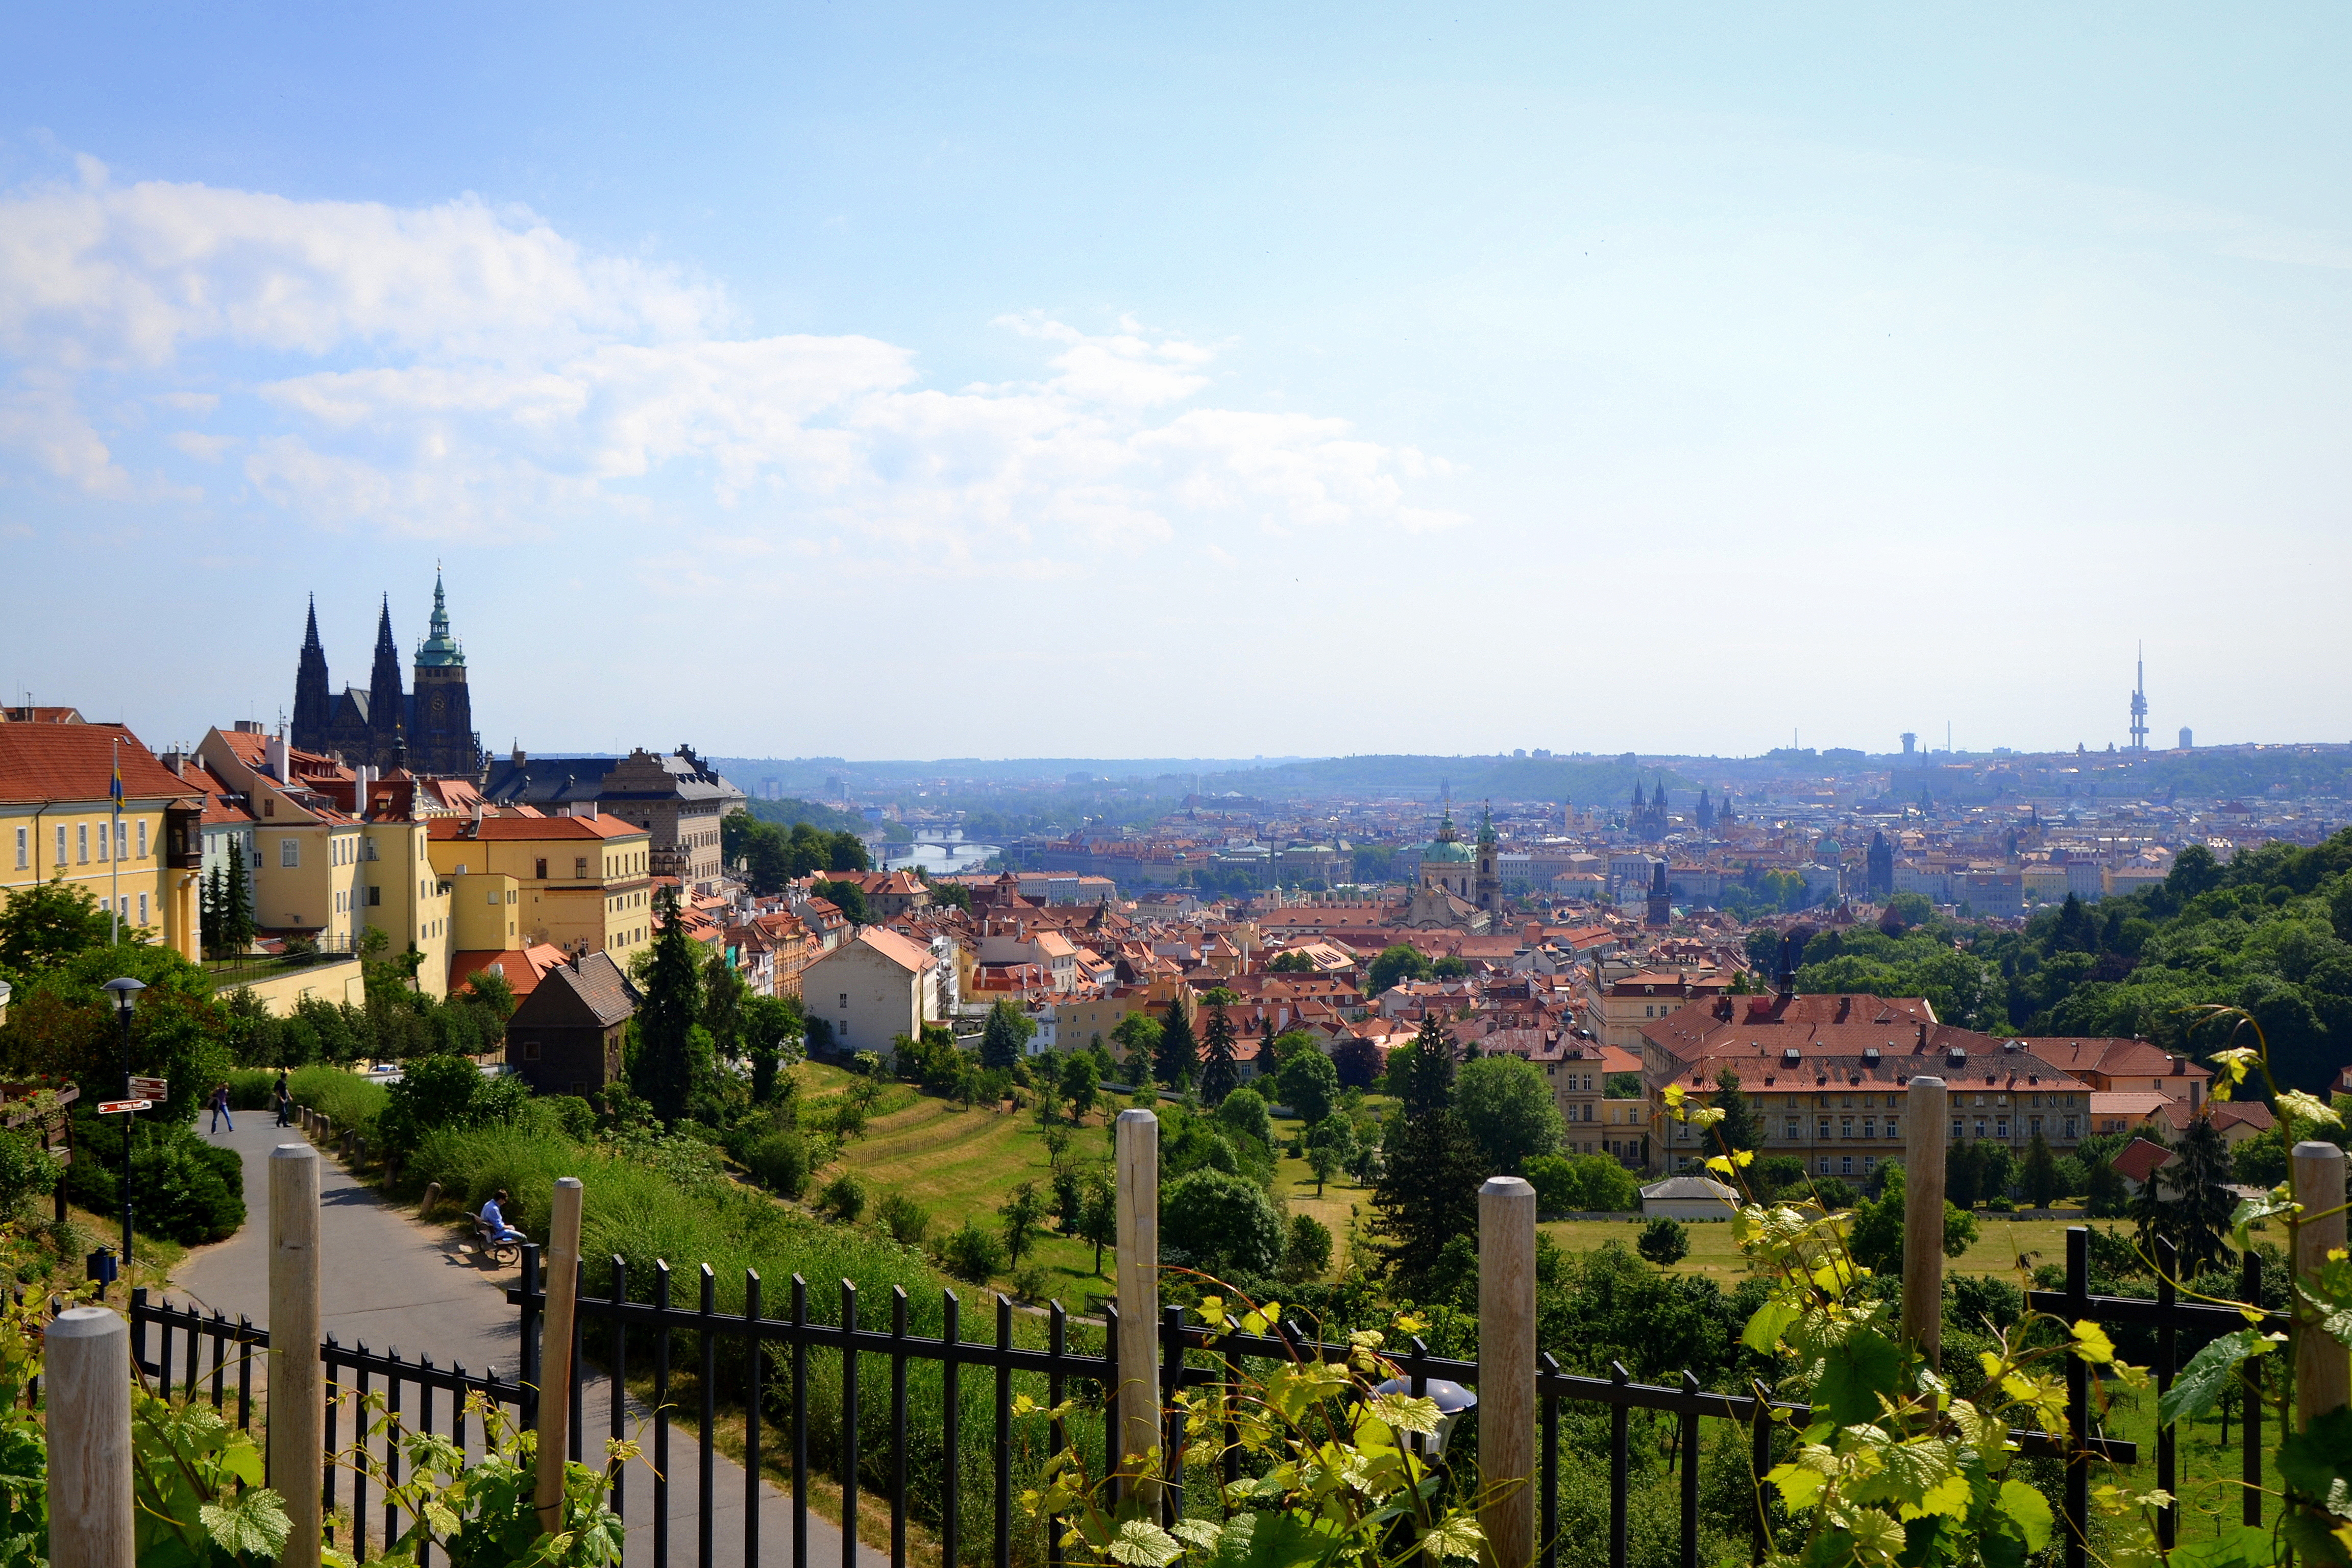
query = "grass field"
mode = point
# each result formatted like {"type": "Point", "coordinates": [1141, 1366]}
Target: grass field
{"type": "Point", "coordinates": [963, 1165]}
{"type": "Point", "coordinates": [1998, 1246]}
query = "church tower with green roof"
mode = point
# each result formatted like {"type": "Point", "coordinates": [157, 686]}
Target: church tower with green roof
{"type": "Point", "coordinates": [441, 738]}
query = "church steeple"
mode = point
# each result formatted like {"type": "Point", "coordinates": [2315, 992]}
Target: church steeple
{"type": "Point", "coordinates": [439, 650]}
{"type": "Point", "coordinates": [441, 738]}
{"type": "Point", "coordinates": [387, 703]}
{"type": "Point", "coordinates": [314, 704]}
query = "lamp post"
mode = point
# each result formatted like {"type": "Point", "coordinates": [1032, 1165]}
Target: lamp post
{"type": "Point", "coordinates": [126, 991]}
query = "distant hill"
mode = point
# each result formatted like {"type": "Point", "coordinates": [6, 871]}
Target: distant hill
{"type": "Point", "coordinates": [792, 813]}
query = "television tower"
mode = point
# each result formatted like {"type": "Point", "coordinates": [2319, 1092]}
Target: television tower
{"type": "Point", "coordinates": [2139, 702]}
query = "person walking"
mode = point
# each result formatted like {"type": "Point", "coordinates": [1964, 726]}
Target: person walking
{"type": "Point", "coordinates": [220, 1109]}
{"type": "Point", "coordinates": [284, 1098]}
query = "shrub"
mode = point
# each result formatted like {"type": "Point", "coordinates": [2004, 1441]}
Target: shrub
{"type": "Point", "coordinates": [1307, 1253]}
{"type": "Point", "coordinates": [2001, 1204]}
{"type": "Point", "coordinates": [184, 1189]}
{"type": "Point", "coordinates": [1031, 1283]}
{"type": "Point", "coordinates": [780, 1163]}
{"type": "Point", "coordinates": [972, 1253]}
{"type": "Point", "coordinates": [351, 1100]}
{"type": "Point", "coordinates": [446, 1091]}
{"type": "Point", "coordinates": [1664, 1241]}
{"type": "Point", "coordinates": [903, 1218]}
{"type": "Point", "coordinates": [844, 1198]}
{"type": "Point", "coordinates": [27, 1172]}
{"type": "Point", "coordinates": [1221, 1224]}
{"type": "Point", "coordinates": [253, 1088]}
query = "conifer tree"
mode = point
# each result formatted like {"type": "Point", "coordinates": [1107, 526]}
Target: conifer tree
{"type": "Point", "coordinates": [662, 1066]}
{"type": "Point", "coordinates": [236, 925]}
{"type": "Point", "coordinates": [1218, 1076]}
{"type": "Point", "coordinates": [1737, 1129]}
{"type": "Point", "coordinates": [1179, 1056]}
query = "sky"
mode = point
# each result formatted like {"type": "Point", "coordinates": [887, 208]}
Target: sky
{"type": "Point", "coordinates": [1100, 381]}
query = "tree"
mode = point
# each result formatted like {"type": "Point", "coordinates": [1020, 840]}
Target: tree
{"type": "Point", "coordinates": [669, 1063]}
{"type": "Point", "coordinates": [42, 926]}
{"type": "Point", "coordinates": [1590, 1184]}
{"type": "Point", "coordinates": [1876, 1235]}
{"type": "Point", "coordinates": [1663, 1242]}
{"type": "Point", "coordinates": [1309, 1085]}
{"type": "Point", "coordinates": [1428, 1193]}
{"type": "Point", "coordinates": [1178, 1058]}
{"type": "Point", "coordinates": [1007, 1035]}
{"type": "Point", "coordinates": [2041, 1174]}
{"type": "Point", "coordinates": [1738, 1129]}
{"type": "Point", "coordinates": [1244, 1115]}
{"type": "Point", "coordinates": [1330, 1143]}
{"type": "Point", "coordinates": [1306, 1251]}
{"type": "Point", "coordinates": [1218, 1073]}
{"type": "Point", "coordinates": [2104, 1196]}
{"type": "Point", "coordinates": [1395, 963]}
{"type": "Point", "coordinates": [1291, 963]}
{"type": "Point", "coordinates": [723, 996]}
{"type": "Point", "coordinates": [1358, 1061]}
{"type": "Point", "coordinates": [1509, 1109]}
{"type": "Point", "coordinates": [2199, 1167]}
{"type": "Point", "coordinates": [1422, 1074]}
{"type": "Point", "coordinates": [1453, 966]}
{"type": "Point", "coordinates": [1220, 1223]}
{"type": "Point", "coordinates": [1138, 1036]}
{"type": "Point", "coordinates": [1081, 1083]}
{"type": "Point", "coordinates": [1098, 1212]}
{"type": "Point", "coordinates": [1021, 1214]}
{"type": "Point", "coordinates": [773, 1029]}
{"type": "Point", "coordinates": [849, 898]}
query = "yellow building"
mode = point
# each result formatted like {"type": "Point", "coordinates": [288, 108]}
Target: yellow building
{"type": "Point", "coordinates": [59, 820]}
{"type": "Point", "coordinates": [339, 851]}
{"type": "Point", "coordinates": [583, 883]}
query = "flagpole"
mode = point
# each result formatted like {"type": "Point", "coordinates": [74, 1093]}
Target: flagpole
{"type": "Point", "coordinates": [114, 857]}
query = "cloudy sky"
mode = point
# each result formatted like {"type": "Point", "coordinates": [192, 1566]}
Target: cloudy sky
{"type": "Point", "coordinates": [1112, 381]}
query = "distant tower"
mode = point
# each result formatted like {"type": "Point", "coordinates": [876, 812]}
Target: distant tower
{"type": "Point", "coordinates": [387, 703]}
{"type": "Point", "coordinates": [1910, 744]}
{"type": "Point", "coordinates": [2187, 738]}
{"type": "Point", "coordinates": [1879, 863]}
{"type": "Point", "coordinates": [1489, 882]}
{"type": "Point", "coordinates": [2139, 705]}
{"type": "Point", "coordinates": [1661, 911]}
{"type": "Point", "coordinates": [1705, 812]}
{"type": "Point", "coordinates": [314, 703]}
{"type": "Point", "coordinates": [441, 738]}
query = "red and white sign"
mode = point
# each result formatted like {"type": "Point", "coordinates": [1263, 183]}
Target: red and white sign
{"type": "Point", "coordinates": [151, 1087]}
{"type": "Point", "coordinates": [109, 1106]}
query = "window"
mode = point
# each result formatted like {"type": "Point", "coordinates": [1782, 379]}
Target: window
{"type": "Point", "coordinates": [375, 895]}
{"type": "Point", "coordinates": [1980, 1132]}
{"type": "Point", "coordinates": [1959, 1128]}
{"type": "Point", "coordinates": [142, 909]}
{"type": "Point", "coordinates": [1869, 1127]}
{"type": "Point", "coordinates": [1846, 1164]}
{"type": "Point", "coordinates": [2070, 1129]}
{"type": "Point", "coordinates": [844, 1001]}
{"type": "Point", "coordinates": [24, 848]}
{"type": "Point", "coordinates": [1845, 1127]}
{"type": "Point", "coordinates": [61, 844]}
{"type": "Point", "coordinates": [143, 838]}
{"type": "Point", "coordinates": [371, 849]}
{"type": "Point", "coordinates": [2001, 1129]}
{"type": "Point", "coordinates": [1825, 1165]}
{"type": "Point", "coordinates": [81, 842]}
{"type": "Point", "coordinates": [1825, 1126]}
{"type": "Point", "coordinates": [290, 852]}
{"type": "Point", "coordinates": [1793, 1132]}
{"type": "Point", "coordinates": [580, 867]}
{"type": "Point", "coordinates": [542, 872]}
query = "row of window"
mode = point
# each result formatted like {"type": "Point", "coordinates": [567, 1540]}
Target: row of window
{"type": "Point", "coordinates": [78, 837]}
{"type": "Point", "coordinates": [1893, 1103]}
{"type": "Point", "coordinates": [1793, 1130]}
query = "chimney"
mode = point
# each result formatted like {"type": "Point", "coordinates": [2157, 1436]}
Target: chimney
{"type": "Point", "coordinates": [177, 760]}
{"type": "Point", "coordinates": [281, 759]}
{"type": "Point", "coordinates": [1923, 1034]}
{"type": "Point", "coordinates": [475, 831]}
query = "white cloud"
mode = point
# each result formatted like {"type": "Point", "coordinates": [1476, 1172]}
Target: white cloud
{"type": "Point", "coordinates": [471, 368]}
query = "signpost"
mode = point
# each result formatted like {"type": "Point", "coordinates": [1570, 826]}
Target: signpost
{"type": "Point", "coordinates": [110, 1107]}
{"type": "Point", "coordinates": [151, 1087]}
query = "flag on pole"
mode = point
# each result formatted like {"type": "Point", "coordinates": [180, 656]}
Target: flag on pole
{"type": "Point", "coordinates": [116, 788]}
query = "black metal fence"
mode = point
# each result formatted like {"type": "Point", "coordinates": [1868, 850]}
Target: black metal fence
{"type": "Point", "coordinates": [644, 1340]}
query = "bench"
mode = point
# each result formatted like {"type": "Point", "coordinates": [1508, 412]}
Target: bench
{"type": "Point", "coordinates": [500, 1253]}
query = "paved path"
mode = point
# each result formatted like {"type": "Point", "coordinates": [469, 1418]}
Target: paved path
{"type": "Point", "coordinates": [397, 1284]}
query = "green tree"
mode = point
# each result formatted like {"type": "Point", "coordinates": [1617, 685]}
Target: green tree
{"type": "Point", "coordinates": [1427, 1194]}
{"type": "Point", "coordinates": [1738, 1128]}
{"type": "Point", "coordinates": [1098, 1212]}
{"type": "Point", "coordinates": [1243, 1114]}
{"type": "Point", "coordinates": [2200, 1220]}
{"type": "Point", "coordinates": [48, 923]}
{"type": "Point", "coordinates": [1291, 963]}
{"type": "Point", "coordinates": [1309, 1084]}
{"type": "Point", "coordinates": [847, 896]}
{"type": "Point", "coordinates": [1331, 1144]}
{"type": "Point", "coordinates": [1453, 966]}
{"type": "Point", "coordinates": [1006, 1037]}
{"type": "Point", "coordinates": [1395, 963]}
{"type": "Point", "coordinates": [2041, 1174]}
{"type": "Point", "coordinates": [1306, 1251]}
{"type": "Point", "coordinates": [1420, 1075]}
{"type": "Point", "coordinates": [1081, 1078]}
{"type": "Point", "coordinates": [1876, 1235]}
{"type": "Point", "coordinates": [1178, 1058]}
{"type": "Point", "coordinates": [1220, 1223]}
{"type": "Point", "coordinates": [670, 1062]}
{"type": "Point", "coordinates": [724, 996]}
{"type": "Point", "coordinates": [1218, 1074]}
{"type": "Point", "coordinates": [1663, 1242]}
{"type": "Point", "coordinates": [772, 1031]}
{"type": "Point", "coordinates": [1022, 1212]}
{"type": "Point", "coordinates": [1137, 1036]}
{"type": "Point", "coordinates": [1509, 1109]}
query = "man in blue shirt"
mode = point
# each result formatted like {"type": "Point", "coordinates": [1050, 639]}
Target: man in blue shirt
{"type": "Point", "coordinates": [494, 1217]}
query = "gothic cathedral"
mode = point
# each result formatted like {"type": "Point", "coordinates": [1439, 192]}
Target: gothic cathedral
{"type": "Point", "coordinates": [428, 730]}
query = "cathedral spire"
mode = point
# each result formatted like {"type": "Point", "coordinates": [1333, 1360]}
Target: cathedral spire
{"type": "Point", "coordinates": [440, 650]}
{"type": "Point", "coordinates": [311, 631]}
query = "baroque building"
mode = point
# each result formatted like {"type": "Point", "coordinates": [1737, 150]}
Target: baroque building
{"type": "Point", "coordinates": [429, 731]}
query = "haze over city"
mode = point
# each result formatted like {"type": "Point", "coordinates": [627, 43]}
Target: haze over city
{"type": "Point", "coordinates": [1206, 382]}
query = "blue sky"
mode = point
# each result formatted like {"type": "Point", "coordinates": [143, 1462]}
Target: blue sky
{"type": "Point", "coordinates": [1134, 381]}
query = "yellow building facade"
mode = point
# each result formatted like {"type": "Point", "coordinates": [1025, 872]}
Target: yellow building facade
{"type": "Point", "coordinates": [58, 821]}
{"type": "Point", "coordinates": [583, 883]}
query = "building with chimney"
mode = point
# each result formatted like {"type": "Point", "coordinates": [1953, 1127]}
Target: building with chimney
{"type": "Point", "coordinates": [679, 800]}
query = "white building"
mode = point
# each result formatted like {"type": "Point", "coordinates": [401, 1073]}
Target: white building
{"type": "Point", "coordinates": [872, 988]}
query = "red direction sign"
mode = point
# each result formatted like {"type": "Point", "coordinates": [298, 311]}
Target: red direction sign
{"type": "Point", "coordinates": [151, 1087]}
{"type": "Point", "coordinates": [109, 1106]}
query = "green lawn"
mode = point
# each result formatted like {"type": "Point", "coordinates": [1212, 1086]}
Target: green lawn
{"type": "Point", "coordinates": [2000, 1245]}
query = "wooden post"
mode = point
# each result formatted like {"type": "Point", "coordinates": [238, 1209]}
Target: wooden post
{"type": "Point", "coordinates": [88, 1367]}
{"type": "Point", "coordinates": [1507, 1370]}
{"type": "Point", "coordinates": [1926, 1114]}
{"type": "Point", "coordinates": [296, 1411]}
{"type": "Point", "coordinates": [555, 1348]}
{"type": "Point", "coordinates": [1138, 1150]}
{"type": "Point", "coordinates": [2322, 1367]}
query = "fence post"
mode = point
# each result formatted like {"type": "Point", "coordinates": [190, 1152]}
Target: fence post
{"type": "Point", "coordinates": [2323, 1368]}
{"type": "Point", "coordinates": [1507, 1370]}
{"type": "Point", "coordinates": [296, 1414]}
{"type": "Point", "coordinates": [1926, 1116]}
{"type": "Point", "coordinates": [88, 1367]}
{"type": "Point", "coordinates": [555, 1354]}
{"type": "Point", "coordinates": [1138, 1147]}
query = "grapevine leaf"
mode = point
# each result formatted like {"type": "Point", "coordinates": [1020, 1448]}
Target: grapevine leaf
{"type": "Point", "coordinates": [1855, 1373]}
{"type": "Point", "coordinates": [2028, 1511]}
{"type": "Point", "coordinates": [2199, 1386]}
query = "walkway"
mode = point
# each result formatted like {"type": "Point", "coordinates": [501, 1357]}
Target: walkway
{"type": "Point", "coordinates": [398, 1284]}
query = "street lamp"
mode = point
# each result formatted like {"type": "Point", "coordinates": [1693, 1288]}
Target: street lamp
{"type": "Point", "coordinates": [126, 993]}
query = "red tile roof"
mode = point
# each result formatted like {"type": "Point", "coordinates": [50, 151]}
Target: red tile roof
{"type": "Point", "coordinates": [76, 761]}
{"type": "Point", "coordinates": [527, 828]}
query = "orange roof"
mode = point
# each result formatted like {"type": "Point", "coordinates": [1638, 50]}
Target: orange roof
{"type": "Point", "coordinates": [897, 948]}
{"type": "Point", "coordinates": [517, 829]}
{"type": "Point", "coordinates": [521, 968]}
{"type": "Point", "coordinates": [76, 761]}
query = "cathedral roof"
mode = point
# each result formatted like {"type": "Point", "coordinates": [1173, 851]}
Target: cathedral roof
{"type": "Point", "coordinates": [440, 650]}
{"type": "Point", "coordinates": [1444, 849]}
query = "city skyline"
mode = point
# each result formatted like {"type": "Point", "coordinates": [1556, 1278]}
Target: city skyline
{"type": "Point", "coordinates": [1722, 376]}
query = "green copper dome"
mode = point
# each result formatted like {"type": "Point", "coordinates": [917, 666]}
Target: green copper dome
{"type": "Point", "coordinates": [440, 650]}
